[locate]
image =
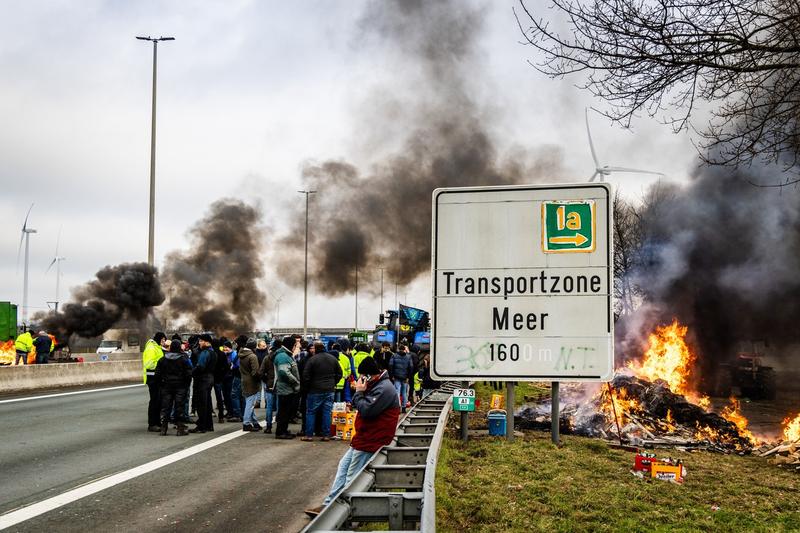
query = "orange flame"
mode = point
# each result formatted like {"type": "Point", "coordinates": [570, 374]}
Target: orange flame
{"type": "Point", "coordinates": [7, 353]}
{"type": "Point", "coordinates": [732, 413]}
{"type": "Point", "coordinates": [669, 358]}
{"type": "Point", "coordinates": [791, 428]}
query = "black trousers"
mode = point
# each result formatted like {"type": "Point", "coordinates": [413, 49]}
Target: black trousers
{"type": "Point", "coordinates": [172, 397]}
{"type": "Point", "coordinates": [154, 407]}
{"type": "Point", "coordinates": [287, 408]}
{"type": "Point", "coordinates": [202, 394]}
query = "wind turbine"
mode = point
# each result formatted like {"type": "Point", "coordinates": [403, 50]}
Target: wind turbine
{"type": "Point", "coordinates": [26, 234]}
{"type": "Point", "coordinates": [57, 262]}
{"type": "Point", "coordinates": [606, 170]}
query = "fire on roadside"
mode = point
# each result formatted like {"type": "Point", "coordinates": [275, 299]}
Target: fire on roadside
{"type": "Point", "coordinates": [791, 428]}
{"type": "Point", "coordinates": [669, 358]}
{"type": "Point", "coordinates": [732, 413]}
{"type": "Point", "coordinates": [7, 353]}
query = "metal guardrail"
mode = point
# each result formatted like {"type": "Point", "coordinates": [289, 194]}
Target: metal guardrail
{"type": "Point", "coordinates": [396, 486]}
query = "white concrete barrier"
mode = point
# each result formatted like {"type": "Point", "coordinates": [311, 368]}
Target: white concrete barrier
{"type": "Point", "coordinates": [49, 376]}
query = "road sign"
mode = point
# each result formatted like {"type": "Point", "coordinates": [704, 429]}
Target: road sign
{"type": "Point", "coordinates": [522, 283]}
{"type": "Point", "coordinates": [464, 400]}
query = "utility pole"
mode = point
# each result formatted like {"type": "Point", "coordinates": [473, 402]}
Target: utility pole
{"type": "Point", "coordinates": [382, 269]}
{"type": "Point", "coordinates": [356, 297]}
{"type": "Point", "coordinates": [151, 234]}
{"type": "Point", "coordinates": [305, 274]}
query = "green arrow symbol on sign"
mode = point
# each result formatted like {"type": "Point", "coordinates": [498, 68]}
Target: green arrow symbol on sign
{"type": "Point", "coordinates": [577, 240]}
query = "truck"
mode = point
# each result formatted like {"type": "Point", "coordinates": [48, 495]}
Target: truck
{"type": "Point", "coordinates": [117, 342]}
{"type": "Point", "coordinates": [410, 324]}
{"type": "Point", "coordinates": [8, 332]}
{"type": "Point", "coordinates": [748, 373]}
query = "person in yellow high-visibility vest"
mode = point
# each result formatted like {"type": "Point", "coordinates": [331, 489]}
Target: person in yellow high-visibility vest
{"type": "Point", "coordinates": [417, 386]}
{"type": "Point", "coordinates": [344, 362]}
{"type": "Point", "coordinates": [360, 355]}
{"type": "Point", "coordinates": [153, 351]}
{"type": "Point", "coordinates": [23, 345]}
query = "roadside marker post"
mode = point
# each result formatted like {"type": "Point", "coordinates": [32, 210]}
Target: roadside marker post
{"type": "Point", "coordinates": [464, 402]}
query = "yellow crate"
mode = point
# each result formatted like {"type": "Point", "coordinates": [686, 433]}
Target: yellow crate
{"type": "Point", "coordinates": [667, 472]}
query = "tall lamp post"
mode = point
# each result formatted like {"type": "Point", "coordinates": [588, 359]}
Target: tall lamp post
{"type": "Point", "coordinates": [305, 274]}
{"type": "Point", "coordinates": [151, 233]}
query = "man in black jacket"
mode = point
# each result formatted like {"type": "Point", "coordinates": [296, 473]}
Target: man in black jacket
{"type": "Point", "coordinates": [43, 344]}
{"type": "Point", "coordinates": [321, 373]}
{"type": "Point", "coordinates": [203, 374]}
{"type": "Point", "coordinates": [173, 373]}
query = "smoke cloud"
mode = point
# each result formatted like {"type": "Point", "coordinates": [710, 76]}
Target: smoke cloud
{"type": "Point", "coordinates": [436, 133]}
{"type": "Point", "coordinates": [129, 290]}
{"type": "Point", "coordinates": [723, 257]}
{"type": "Point", "coordinates": [214, 285]}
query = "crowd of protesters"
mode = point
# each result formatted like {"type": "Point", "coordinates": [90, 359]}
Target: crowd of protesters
{"type": "Point", "coordinates": [207, 379]}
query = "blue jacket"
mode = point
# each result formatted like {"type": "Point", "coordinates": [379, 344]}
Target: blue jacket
{"type": "Point", "coordinates": [205, 362]}
{"type": "Point", "coordinates": [401, 366]}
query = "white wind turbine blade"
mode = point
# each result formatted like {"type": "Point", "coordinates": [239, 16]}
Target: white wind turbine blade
{"type": "Point", "coordinates": [58, 239]}
{"type": "Point", "coordinates": [591, 144]}
{"type": "Point", "coordinates": [634, 170]}
{"type": "Point", "coordinates": [22, 236]}
{"type": "Point", "coordinates": [53, 262]}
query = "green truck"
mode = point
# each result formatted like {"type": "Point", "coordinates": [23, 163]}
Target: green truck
{"type": "Point", "coordinates": [8, 321]}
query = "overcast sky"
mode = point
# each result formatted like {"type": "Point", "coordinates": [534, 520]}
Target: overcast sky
{"type": "Point", "coordinates": [248, 93]}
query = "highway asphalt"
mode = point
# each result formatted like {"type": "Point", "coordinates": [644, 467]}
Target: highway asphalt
{"type": "Point", "coordinates": [253, 482]}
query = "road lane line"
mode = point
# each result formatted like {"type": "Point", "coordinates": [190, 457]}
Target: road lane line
{"type": "Point", "coordinates": [25, 399]}
{"type": "Point", "coordinates": [31, 511]}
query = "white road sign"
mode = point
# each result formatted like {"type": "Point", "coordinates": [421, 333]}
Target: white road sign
{"type": "Point", "coordinates": [522, 283]}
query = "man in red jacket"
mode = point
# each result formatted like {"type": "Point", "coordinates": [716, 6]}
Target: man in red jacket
{"type": "Point", "coordinates": [378, 409]}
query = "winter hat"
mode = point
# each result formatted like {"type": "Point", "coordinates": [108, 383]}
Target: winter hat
{"type": "Point", "coordinates": [159, 336]}
{"type": "Point", "coordinates": [251, 343]}
{"type": "Point", "coordinates": [205, 337]}
{"type": "Point", "coordinates": [344, 344]}
{"type": "Point", "coordinates": [368, 366]}
{"type": "Point", "coordinates": [175, 346]}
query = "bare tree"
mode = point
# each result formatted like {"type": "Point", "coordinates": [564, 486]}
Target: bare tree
{"type": "Point", "coordinates": [661, 57]}
{"type": "Point", "coordinates": [627, 247]}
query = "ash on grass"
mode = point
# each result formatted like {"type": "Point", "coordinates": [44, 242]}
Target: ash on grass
{"type": "Point", "coordinates": [530, 485]}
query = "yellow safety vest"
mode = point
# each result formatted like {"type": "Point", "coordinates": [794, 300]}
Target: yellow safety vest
{"type": "Point", "coordinates": [24, 342]}
{"type": "Point", "coordinates": [150, 356]}
{"type": "Point", "coordinates": [344, 362]}
{"type": "Point", "coordinates": [417, 382]}
{"type": "Point", "coordinates": [358, 358]}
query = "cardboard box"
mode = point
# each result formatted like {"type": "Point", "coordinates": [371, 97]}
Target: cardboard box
{"type": "Point", "coordinates": [643, 463]}
{"type": "Point", "coordinates": [667, 472]}
{"type": "Point", "coordinates": [339, 407]}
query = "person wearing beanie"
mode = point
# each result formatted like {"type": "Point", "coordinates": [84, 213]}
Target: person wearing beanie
{"type": "Point", "coordinates": [375, 400]}
{"type": "Point", "coordinates": [287, 385]}
{"type": "Point", "coordinates": [250, 373]}
{"type": "Point", "coordinates": [400, 370]}
{"type": "Point", "coordinates": [267, 372]}
{"type": "Point", "coordinates": [153, 351]}
{"type": "Point", "coordinates": [174, 373]}
{"type": "Point", "coordinates": [203, 375]}
{"type": "Point", "coordinates": [321, 374]}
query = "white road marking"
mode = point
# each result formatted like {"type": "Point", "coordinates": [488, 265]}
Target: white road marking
{"type": "Point", "coordinates": [31, 511]}
{"type": "Point", "coordinates": [25, 399]}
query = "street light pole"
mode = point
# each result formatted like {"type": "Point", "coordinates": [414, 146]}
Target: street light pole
{"type": "Point", "coordinates": [382, 269]}
{"type": "Point", "coordinates": [356, 297]}
{"type": "Point", "coordinates": [151, 230]}
{"type": "Point", "coordinates": [305, 275]}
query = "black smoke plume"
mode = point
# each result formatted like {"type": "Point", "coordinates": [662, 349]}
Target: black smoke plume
{"type": "Point", "coordinates": [723, 257]}
{"type": "Point", "coordinates": [129, 290]}
{"type": "Point", "coordinates": [214, 285]}
{"type": "Point", "coordinates": [437, 134]}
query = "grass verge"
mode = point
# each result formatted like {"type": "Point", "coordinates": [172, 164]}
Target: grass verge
{"type": "Point", "coordinates": [529, 485]}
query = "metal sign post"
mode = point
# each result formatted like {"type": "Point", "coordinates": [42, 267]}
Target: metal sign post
{"type": "Point", "coordinates": [510, 400]}
{"type": "Point", "coordinates": [554, 414]}
{"type": "Point", "coordinates": [464, 401]}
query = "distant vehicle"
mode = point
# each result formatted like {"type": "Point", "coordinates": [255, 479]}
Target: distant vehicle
{"type": "Point", "coordinates": [410, 324]}
{"type": "Point", "coordinates": [119, 341]}
{"type": "Point", "coordinates": [747, 373]}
